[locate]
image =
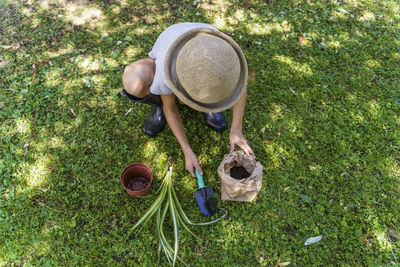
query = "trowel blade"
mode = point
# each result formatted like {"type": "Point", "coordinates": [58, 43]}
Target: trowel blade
{"type": "Point", "coordinates": [206, 201]}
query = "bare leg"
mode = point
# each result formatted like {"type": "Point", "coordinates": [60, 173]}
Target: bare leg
{"type": "Point", "coordinates": [138, 77]}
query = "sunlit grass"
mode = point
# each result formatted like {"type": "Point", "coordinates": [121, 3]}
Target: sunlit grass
{"type": "Point", "coordinates": [276, 112]}
{"type": "Point", "coordinates": [132, 52]}
{"type": "Point", "coordinates": [69, 86]}
{"type": "Point", "coordinates": [81, 14]}
{"type": "Point", "coordinates": [303, 68]}
{"type": "Point", "coordinates": [374, 63]}
{"type": "Point", "coordinates": [322, 116]}
{"type": "Point", "coordinates": [367, 16]}
{"type": "Point", "coordinates": [37, 172]}
{"type": "Point", "coordinates": [265, 28]}
{"type": "Point", "coordinates": [53, 77]}
{"type": "Point", "coordinates": [22, 126]}
{"type": "Point", "coordinates": [60, 52]}
{"type": "Point", "coordinates": [374, 108]}
{"type": "Point", "coordinates": [111, 63]}
{"type": "Point", "coordinates": [88, 63]}
{"type": "Point", "coordinates": [150, 149]}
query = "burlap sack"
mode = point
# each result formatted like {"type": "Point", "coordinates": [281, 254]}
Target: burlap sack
{"type": "Point", "coordinates": [244, 189]}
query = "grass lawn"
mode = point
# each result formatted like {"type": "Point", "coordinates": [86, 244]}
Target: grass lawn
{"type": "Point", "coordinates": [322, 116]}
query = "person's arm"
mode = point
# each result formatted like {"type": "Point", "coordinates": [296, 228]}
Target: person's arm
{"type": "Point", "coordinates": [175, 123]}
{"type": "Point", "coordinates": [236, 136]}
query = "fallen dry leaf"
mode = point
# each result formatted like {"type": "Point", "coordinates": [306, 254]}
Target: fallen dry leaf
{"type": "Point", "coordinates": [224, 9]}
{"type": "Point", "coordinates": [15, 46]}
{"type": "Point", "coordinates": [43, 61]}
{"type": "Point", "coordinates": [45, 189]}
{"type": "Point", "coordinates": [252, 74]}
{"type": "Point", "coordinates": [279, 263]}
{"type": "Point", "coordinates": [3, 63]}
{"type": "Point", "coordinates": [302, 40]}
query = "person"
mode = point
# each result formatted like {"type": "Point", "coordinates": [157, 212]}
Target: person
{"type": "Point", "coordinates": [201, 66]}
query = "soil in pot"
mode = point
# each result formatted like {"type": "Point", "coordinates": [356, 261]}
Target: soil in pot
{"type": "Point", "coordinates": [137, 183]}
{"type": "Point", "coordinates": [238, 172]}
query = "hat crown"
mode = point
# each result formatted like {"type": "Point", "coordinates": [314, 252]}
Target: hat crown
{"type": "Point", "coordinates": [208, 68]}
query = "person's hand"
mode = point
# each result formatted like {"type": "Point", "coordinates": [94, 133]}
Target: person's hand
{"type": "Point", "coordinates": [192, 162]}
{"type": "Point", "coordinates": [236, 137]}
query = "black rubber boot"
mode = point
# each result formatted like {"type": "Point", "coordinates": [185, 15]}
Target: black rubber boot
{"type": "Point", "coordinates": [155, 121]}
{"type": "Point", "coordinates": [217, 121]}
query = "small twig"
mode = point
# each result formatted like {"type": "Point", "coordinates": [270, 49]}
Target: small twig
{"type": "Point", "coordinates": [94, 257]}
{"type": "Point", "coordinates": [42, 204]}
{"type": "Point", "coordinates": [394, 226]}
{"type": "Point", "coordinates": [61, 113]}
{"type": "Point", "coordinates": [58, 204]}
{"type": "Point", "coordinates": [26, 151]}
{"type": "Point", "coordinates": [128, 111]}
{"type": "Point", "coordinates": [395, 259]}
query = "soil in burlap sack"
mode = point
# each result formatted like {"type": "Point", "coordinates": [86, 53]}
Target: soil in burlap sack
{"type": "Point", "coordinates": [235, 189]}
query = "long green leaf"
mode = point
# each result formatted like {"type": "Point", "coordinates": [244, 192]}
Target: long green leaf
{"type": "Point", "coordinates": [187, 220]}
{"type": "Point", "coordinates": [183, 224]}
{"type": "Point", "coordinates": [150, 212]}
{"type": "Point", "coordinates": [175, 222]}
{"type": "Point", "coordinates": [155, 193]}
{"type": "Point", "coordinates": [164, 243]}
{"type": "Point", "coordinates": [213, 221]}
{"type": "Point", "coordinates": [158, 219]}
{"type": "Point", "coordinates": [162, 219]}
{"type": "Point", "coordinates": [153, 208]}
{"type": "Point", "coordinates": [179, 208]}
{"type": "Point", "coordinates": [167, 199]}
{"type": "Point", "coordinates": [168, 252]}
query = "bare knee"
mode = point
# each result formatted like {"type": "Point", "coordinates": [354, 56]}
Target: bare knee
{"type": "Point", "coordinates": [133, 83]}
{"type": "Point", "coordinates": [138, 77]}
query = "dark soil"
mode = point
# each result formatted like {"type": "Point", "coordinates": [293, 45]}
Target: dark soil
{"type": "Point", "coordinates": [137, 184]}
{"type": "Point", "coordinates": [238, 172]}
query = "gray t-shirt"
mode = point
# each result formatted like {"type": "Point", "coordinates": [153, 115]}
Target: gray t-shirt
{"type": "Point", "coordinates": [159, 50]}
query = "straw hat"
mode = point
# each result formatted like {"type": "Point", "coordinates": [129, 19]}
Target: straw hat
{"type": "Point", "coordinates": [206, 70]}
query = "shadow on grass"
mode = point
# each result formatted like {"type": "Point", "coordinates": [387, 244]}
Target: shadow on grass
{"type": "Point", "coordinates": [320, 116]}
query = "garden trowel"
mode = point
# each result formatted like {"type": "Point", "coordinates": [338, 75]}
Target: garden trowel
{"type": "Point", "coordinates": [205, 197]}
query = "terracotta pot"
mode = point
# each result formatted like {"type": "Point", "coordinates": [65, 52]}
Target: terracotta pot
{"type": "Point", "coordinates": [131, 175]}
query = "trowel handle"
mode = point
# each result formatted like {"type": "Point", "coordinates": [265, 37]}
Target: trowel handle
{"type": "Point", "coordinates": [200, 180]}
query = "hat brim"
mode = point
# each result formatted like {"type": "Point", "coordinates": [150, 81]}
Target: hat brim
{"type": "Point", "coordinates": [176, 87]}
